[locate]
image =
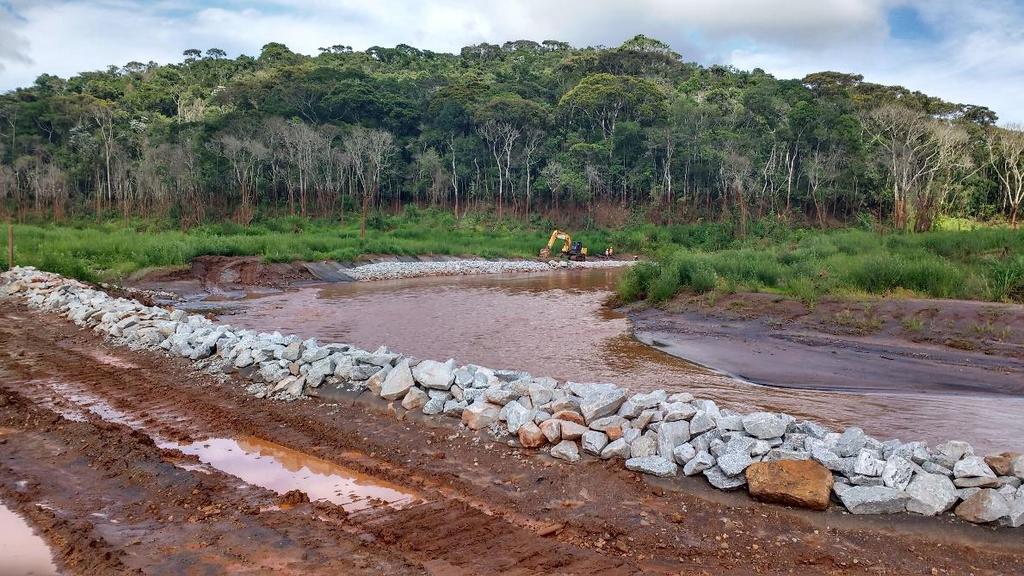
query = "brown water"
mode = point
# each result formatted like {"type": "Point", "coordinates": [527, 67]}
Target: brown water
{"type": "Point", "coordinates": [251, 459]}
{"type": "Point", "coordinates": [22, 551]}
{"type": "Point", "coordinates": [279, 468]}
{"type": "Point", "coordinates": [555, 324]}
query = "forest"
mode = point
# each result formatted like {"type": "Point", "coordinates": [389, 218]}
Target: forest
{"type": "Point", "coordinates": [594, 137]}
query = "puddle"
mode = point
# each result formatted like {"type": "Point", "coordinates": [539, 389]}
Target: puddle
{"type": "Point", "coordinates": [279, 468]}
{"type": "Point", "coordinates": [22, 551]}
{"type": "Point", "coordinates": [253, 460]}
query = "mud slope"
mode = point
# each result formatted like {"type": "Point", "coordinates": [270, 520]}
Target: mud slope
{"type": "Point", "coordinates": [117, 503]}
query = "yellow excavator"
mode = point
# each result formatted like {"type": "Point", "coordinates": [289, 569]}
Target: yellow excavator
{"type": "Point", "coordinates": [571, 250]}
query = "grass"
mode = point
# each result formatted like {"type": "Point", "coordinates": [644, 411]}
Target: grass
{"type": "Point", "coordinates": [113, 250]}
{"type": "Point", "coordinates": [970, 263]}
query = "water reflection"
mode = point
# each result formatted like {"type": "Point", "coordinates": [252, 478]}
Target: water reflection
{"type": "Point", "coordinates": [22, 550]}
{"type": "Point", "coordinates": [555, 324]}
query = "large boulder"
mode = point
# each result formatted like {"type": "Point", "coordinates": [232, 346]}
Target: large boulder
{"type": "Point", "coordinates": [983, 506]}
{"type": "Point", "coordinates": [479, 415]}
{"type": "Point", "coordinates": [801, 483]}
{"type": "Point", "coordinates": [766, 425]}
{"type": "Point", "coordinates": [398, 382]}
{"type": "Point", "coordinates": [434, 374]}
{"type": "Point", "coordinates": [874, 500]}
{"type": "Point", "coordinates": [653, 465]}
{"type": "Point", "coordinates": [930, 494]}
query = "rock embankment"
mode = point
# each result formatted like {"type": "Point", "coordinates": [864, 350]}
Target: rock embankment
{"type": "Point", "coordinates": [783, 460]}
{"type": "Point", "coordinates": [398, 270]}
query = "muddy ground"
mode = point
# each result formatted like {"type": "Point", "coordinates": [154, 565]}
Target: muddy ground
{"type": "Point", "coordinates": [108, 500]}
{"type": "Point", "coordinates": [884, 345]}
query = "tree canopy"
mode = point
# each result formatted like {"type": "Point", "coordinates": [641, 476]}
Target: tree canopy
{"type": "Point", "coordinates": [589, 134]}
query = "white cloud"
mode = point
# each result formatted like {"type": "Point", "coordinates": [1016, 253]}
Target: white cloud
{"type": "Point", "coordinates": [976, 56]}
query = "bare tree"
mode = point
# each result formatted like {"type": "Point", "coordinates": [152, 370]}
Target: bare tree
{"type": "Point", "coordinates": [501, 137]}
{"type": "Point", "coordinates": [921, 154]}
{"type": "Point", "coordinates": [1006, 154]}
{"type": "Point", "coordinates": [246, 156]}
{"type": "Point", "coordinates": [530, 147]}
{"type": "Point", "coordinates": [821, 170]}
{"type": "Point", "coordinates": [370, 151]}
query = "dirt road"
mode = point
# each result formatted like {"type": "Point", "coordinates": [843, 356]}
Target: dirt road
{"type": "Point", "coordinates": [109, 500]}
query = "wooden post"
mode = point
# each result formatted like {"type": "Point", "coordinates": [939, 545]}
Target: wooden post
{"type": "Point", "coordinates": [10, 245]}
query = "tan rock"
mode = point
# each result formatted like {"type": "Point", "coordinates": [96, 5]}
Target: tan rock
{"type": "Point", "coordinates": [800, 483]}
{"type": "Point", "coordinates": [572, 430]}
{"type": "Point", "coordinates": [614, 432]}
{"type": "Point", "coordinates": [531, 436]}
{"type": "Point", "coordinates": [480, 415]}
{"type": "Point", "coordinates": [1002, 464]}
{"type": "Point", "coordinates": [414, 399]}
{"type": "Point", "coordinates": [569, 416]}
{"type": "Point", "coordinates": [552, 430]}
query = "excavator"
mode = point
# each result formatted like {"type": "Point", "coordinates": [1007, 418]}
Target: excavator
{"type": "Point", "coordinates": [571, 250]}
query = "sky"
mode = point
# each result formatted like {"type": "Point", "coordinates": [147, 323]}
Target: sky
{"type": "Point", "coordinates": [969, 51]}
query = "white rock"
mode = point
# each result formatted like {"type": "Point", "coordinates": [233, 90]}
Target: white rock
{"type": "Point", "coordinates": [684, 453]}
{"type": "Point", "coordinates": [699, 463]}
{"type": "Point", "coordinates": [930, 494]}
{"type": "Point", "coordinates": [594, 442]}
{"type": "Point", "coordinates": [719, 479]}
{"type": "Point", "coordinates": [868, 465]}
{"type": "Point", "coordinates": [637, 403]}
{"type": "Point", "coordinates": [616, 449]}
{"type": "Point", "coordinates": [480, 415]}
{"type": "Point", "coordinates": [516, 415]}
{"type": "Point", "coordinates": [973, 467]}
{"type": "Point", "coordinates": [434, 374]}
{"type": "Point", "coordinates": [670, 435]}
{"type": "Point", "coordinates": [874, 500]}
{"type": "Point", "coordinates": [765, 425]}
{"type": "Point", "coordinates": [566, 450]}
{"type": "Point", "coordinates": [734, 463]}
{"type": "Point", "coordinates": [897, 473]}
{"type": "Point", "coordinates": [398, 382]}
{"type": "Point", "coordinates": [653, 465]}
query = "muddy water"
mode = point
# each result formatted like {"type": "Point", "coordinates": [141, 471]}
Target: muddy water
{"type": "Point", "coordinates": [279, 468]}
{"type": "Point", "coordinates": [251, 459]}
{"type": "Point", "coordinates": [555, 324]}
{"type": "Point", "coordinates": [21, 550]}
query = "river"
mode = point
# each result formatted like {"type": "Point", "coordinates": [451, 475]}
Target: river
{"type": "Point", "coordinates": [556, 324]}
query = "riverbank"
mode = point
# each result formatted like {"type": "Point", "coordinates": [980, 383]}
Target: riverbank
{"type": "Point", "coordinates": [853, 345]}
{"type": "Point", "coordinates": [115, 250]}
